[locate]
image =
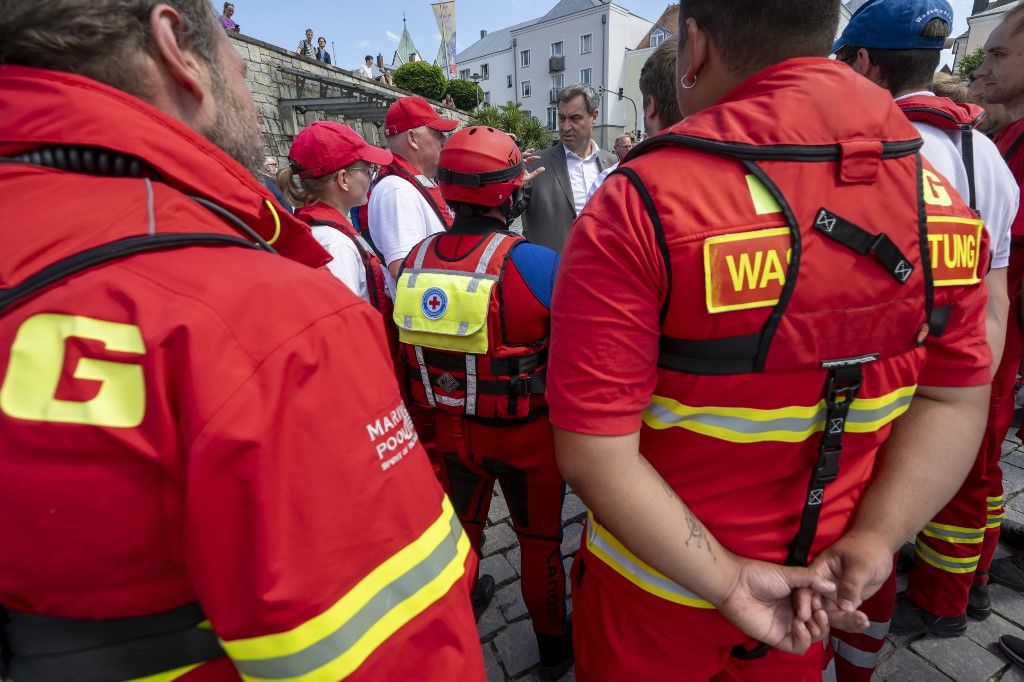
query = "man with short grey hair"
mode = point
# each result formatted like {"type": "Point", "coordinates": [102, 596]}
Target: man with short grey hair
{"type": "Point", "coordinates": [555, 197]}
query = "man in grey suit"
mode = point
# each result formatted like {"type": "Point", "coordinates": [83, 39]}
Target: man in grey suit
{"type": "Point", "coordinates": [557, 195]}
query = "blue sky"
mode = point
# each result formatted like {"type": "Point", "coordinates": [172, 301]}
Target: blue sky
{"type": "Point", "coordinates": [359, 27]}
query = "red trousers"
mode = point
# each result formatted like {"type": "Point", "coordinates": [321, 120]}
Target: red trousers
{"type": "Point", "coordinates": [522, 458]}
{"type": "Point", "coordinates": [856, 654]}
{"type": "Point", "coordinates": [955, 550]}
{"type": "Point", "coordinates": [621, 632]}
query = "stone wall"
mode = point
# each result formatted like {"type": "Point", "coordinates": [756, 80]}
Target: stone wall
{"type": "Point", "coordinates": [270, 84]}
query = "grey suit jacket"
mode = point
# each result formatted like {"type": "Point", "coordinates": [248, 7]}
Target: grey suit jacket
{"type": "Point", "coordinates": [550, 209]}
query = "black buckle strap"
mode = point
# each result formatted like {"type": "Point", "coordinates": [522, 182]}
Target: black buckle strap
{"type": "Point", "coordinates": [841, 388]}
{"type": "Point", "coordinates": [50, 649]}
{"type": "Point", "coordinates": [509, 367]}
{"type": "Point", "coordinates": [864, 242]}
{"type": "Point", "coordinates": [728, 355]}
{"type": "Point", "coordinates": [450, 177]}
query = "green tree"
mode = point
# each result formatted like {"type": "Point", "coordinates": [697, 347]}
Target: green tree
{"type": "Point", "coordinates": [467, 95]}
{"type": "Point", "coordinates": [512, 118]}
{"type": "Point", "coordinates": [421, 78]}
{"type": "Point", "coordinates": [969, 63]}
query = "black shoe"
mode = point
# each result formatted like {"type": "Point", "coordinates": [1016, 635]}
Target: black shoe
{"type": "Point", "coordinates": [909, 619]}
{"type": "Point", "coordinates": [905, 559]}
{"type": "Point", "coordinates": [1008, 571]}
{"type": "Point", "coordinates": [1013, 647]}
{"type": "Point", "coordinates": [555, 654]}
{"type": "Point", "coordinates": [1012, 533]}
{"type": "Point", "coordinates": [482, 594]}
{"type": "Point", "coordinates": [979, 603]}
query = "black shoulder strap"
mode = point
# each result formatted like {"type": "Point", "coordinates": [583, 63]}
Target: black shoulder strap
{"type": "Point", "coordinates": [122, 248]}
{"type": "Point", "coordinates": [967, 154]}
{"type": "Point", "coordinates": [1014, 147]}
{"type": "Point", "coordinates": [401, 173]}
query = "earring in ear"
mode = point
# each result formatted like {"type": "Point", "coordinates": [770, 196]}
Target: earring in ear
{"type": "Point", "coordinates": [693, 82]}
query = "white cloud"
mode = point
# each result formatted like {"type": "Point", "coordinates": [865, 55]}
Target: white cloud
{"type": "Point", "coordinates": [364, 43]}
{"type": "Point", "coordinates": [393, 37]}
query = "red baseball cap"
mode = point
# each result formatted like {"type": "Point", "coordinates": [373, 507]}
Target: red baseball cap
{"type": "Point", "coordinates": [326, 146]}
{"type": "Point", "coordinates": [412, 112]}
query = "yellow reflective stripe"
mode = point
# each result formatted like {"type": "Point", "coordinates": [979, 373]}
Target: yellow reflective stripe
{"type": "Point", "coordinates": [943, 562]}
{"type": "Point", "coordinates": [994, 502]}
{"type": "Point", "coordinates": [167, 676]}
{"type": "Point", "coordinates": [333, 644]}
{"type": "Point", "coordinates": [793, 424]}
{"type": "Point", "coordinates": [994, 520]}
{"type": "Point", "coordinates": [956, 535]}
{"type": "Point", "coordinates": [764, 202]}
{"type": "Point", "coordinates": [605, 547]}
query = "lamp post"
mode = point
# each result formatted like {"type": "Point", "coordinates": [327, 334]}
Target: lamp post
{"type": "Point", "coordinates": [476, 78]}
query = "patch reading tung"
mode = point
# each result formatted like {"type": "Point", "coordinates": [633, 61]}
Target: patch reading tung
{"type": "Point", "coordinates": [746, 270]}
{"type": "Point", "coordinates": [955, 248]}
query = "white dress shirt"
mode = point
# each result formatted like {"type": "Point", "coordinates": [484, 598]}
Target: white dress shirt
{"type": "Point", "coordinates": [583, 171]}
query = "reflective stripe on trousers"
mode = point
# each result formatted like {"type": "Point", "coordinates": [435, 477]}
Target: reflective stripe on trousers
{"type": "Point", "coordinates": [793, 424]}
{"type": "Point", "coordinates": [858, 657]}
{"type": "Point", "coordinates": [335, 643]}
{"type": "Point", "coordinates": [943, 562]}
{"type": "Point", "coordinates": [605, 547]}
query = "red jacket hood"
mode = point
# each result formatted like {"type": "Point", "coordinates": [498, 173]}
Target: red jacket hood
{"type": "Point", "coordinates": [822, 102]}
{"type": "Point", "coordinates": [43, 108]}
{"type": "Point", "coordinates": [940, 111]}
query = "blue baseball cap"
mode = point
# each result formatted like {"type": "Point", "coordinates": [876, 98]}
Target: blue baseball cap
{"type": "Point", "coordinates": [895, 25]}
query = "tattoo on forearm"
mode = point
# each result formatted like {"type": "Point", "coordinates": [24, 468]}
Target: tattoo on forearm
{"type": "Point", "coordinates": [698, 534]}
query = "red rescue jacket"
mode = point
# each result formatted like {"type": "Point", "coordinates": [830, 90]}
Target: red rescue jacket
{"type": "Point", "coordinates": [504, 382]}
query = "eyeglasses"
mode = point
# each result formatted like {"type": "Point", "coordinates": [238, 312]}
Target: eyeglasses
{"type": "Point", "coordinates": [370, 170]}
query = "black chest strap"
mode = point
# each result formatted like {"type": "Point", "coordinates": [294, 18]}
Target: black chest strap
{"type": "Point", "coordinates": [50, 649]}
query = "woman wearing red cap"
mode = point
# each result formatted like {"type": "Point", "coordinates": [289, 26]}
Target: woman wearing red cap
{"type": "Point", "coordinates": [328, 175]}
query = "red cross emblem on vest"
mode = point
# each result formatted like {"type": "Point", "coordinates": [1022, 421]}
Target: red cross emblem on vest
{"type": "Point", "coordinates": [434, 303]}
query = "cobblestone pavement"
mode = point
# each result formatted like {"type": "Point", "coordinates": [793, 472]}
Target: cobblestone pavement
{"type": "Point", "coordinates": [510, 650]}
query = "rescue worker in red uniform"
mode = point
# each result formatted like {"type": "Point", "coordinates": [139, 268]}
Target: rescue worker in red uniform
{"type": "Point", "coordinates": [887, 42]}
{"type": "Point", "coordinates": [208, 470]}
{"type": "Point", "coordinates": [472, 308]}
{"type": "Point", "coordinates": [329, 175]}
{"type": "Point", "coordinates": [754, 294]}
{"type": "Point", "coordinates": [1002, 76]}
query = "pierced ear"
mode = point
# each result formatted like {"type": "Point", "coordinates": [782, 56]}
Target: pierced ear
{"type": "Point", "coordinates": [697, 48]}
{"type": "Point", "coordinates": [183, 66]}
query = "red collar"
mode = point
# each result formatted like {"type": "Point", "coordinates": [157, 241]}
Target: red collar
{"type": "Point", "coordinates": [45, 108]}
{"type": "Point", "coordinates": [322, 214]}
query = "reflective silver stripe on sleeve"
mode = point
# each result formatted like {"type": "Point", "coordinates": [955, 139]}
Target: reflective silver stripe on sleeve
{"type": "Point", "coordinates": [310, 659]}
{"type": "Point", "coordinates": [471, 390]}
{"type": "Point", "coordinates": [425, 376]}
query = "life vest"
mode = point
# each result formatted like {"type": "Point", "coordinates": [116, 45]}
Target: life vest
{"type": "Point", "coordinates": [944, 113]}
{"type": "Point", "coordinates": [408, 172]}
{"type": "Point", "coordinates": [451, 319]}
{"type": "Point", "coordinates": [799, 293]}
{"type": "Point", "coordinates": [377, 287]}
{"type": "Point", "coordinates": [1009, 142]}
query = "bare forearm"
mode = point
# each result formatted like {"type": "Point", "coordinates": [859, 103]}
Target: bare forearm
{"type": "Point", "coordinates": [638, 507]}
{"type": "Point", "coordinates": [924, 461]}
{"type": "Point", "coordinates": [996, 313]}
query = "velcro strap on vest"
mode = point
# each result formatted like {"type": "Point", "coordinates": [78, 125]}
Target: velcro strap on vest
{"type": "Point", "coordinates": [939, 320]}
{"type": "Point", "coordinates": [864, 242]}
{"type": "Point", "coordinates": [51, 649]}
{"type": "Point", "coordinates": [729, 355]}
{"type": "Point", "coordinates": [510, 367]}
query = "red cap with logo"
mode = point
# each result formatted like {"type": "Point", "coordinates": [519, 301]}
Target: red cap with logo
{"type": "Point", "coordinates": [412, 112]}
{"type": "Point", "coordinates": [326, 146]}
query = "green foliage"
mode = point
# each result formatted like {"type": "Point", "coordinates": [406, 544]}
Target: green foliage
{"type": "Point", "coordinates": [512, 118]}
{"type": "Point", "coordinates": [421, 78]}
{"type": "Point", "coordinates": [969, 63]}
{"type": "Point", "coordinates": [467, 94]}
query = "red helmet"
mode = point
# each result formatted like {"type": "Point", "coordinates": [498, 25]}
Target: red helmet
{"type": "Point", "coordinates": [480, 165]}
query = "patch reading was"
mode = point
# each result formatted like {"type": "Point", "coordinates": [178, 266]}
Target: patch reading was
{"type": "Point", "coordinates": [746, 270]}
{"type": "Point", "coordinates": [955, 248]}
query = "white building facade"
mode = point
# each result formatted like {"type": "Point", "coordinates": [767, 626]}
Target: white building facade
{"type": "Point", "coordinates": [578, 41]}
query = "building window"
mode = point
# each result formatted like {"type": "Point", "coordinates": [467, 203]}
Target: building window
{"type": "Point", "coordinates": [487, 98]}
{"type": "Point", "coordinates": [585, 76]}
{"type": "Point", "coordinates": [552, 118]}
{"type": "Point", "coordinates": [524, 58]}
{"type": "Point", "coordinates": [464, 74]}
{"type": "Point", "coordinates": [557, 81]}
{"type": "Point", "coordinates": [525, 87]}
{"type": "Point", "coordinates": [657, 38]}
{"type": "Point", "coordinates": [485, 72]}
{"type": "Point", "coordinates": [556, 49]}
{"type": "Point", "coordinates": [508, 81]}
{"type": "Point", "coordinates": [586, 43]}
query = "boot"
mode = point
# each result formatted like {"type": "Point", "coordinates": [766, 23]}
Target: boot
{"type": "Point", "coordinates": [555, 654]}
